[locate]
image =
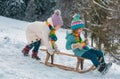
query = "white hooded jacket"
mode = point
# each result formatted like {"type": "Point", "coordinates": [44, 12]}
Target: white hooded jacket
{"type": "Point", "coordinates": [39, 31]}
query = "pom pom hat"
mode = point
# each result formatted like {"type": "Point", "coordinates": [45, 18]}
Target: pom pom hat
{"type": "Point", "coordinates": [77, 22]}
{"type": "Point", "coordinates": [56, 18]}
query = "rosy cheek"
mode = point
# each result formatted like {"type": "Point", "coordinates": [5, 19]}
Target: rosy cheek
{"type": "Point", "coordinates": [57, 27]}
{"type": "Point", "coordinates": [80, 31]}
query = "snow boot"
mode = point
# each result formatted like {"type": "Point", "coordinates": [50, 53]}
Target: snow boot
{"type": "Point", "coordinates": [34, 55]}
{"type": "Point", "coordinates": [103, 68]}
{"type": "Point", "coordinates": [26, 50]}
{"type": "Point", "coordinates": [108, 66]}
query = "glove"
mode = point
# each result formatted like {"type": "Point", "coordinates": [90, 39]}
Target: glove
{"type": "Point", "coordinates": [77, 45]}
{"type": "Point", "coordinates": [50, 51]}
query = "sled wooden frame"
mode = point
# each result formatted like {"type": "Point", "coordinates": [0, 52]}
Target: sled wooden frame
{"type": "Point", "coordinates": [80, 63]}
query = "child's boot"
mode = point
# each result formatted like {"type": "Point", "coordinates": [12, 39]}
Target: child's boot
{"type": "Point", "coordinates": [104, 68]}
{"type": "Point", "coordinates": [34, 55]}
{"type": "Point", "coordinates": [26, 50]}
{"type": "Point", "coordinates": [101, 67]}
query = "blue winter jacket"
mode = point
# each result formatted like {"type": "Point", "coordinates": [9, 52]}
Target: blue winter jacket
{"type": "Point", "coordinates": [72, 40]}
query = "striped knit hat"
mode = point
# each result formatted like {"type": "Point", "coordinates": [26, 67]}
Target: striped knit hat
{"type": "Point", "coordinates": [77, 22]}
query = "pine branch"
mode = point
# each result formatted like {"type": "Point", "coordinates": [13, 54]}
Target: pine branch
{"type": "Point", "coordinates": [102, 6]}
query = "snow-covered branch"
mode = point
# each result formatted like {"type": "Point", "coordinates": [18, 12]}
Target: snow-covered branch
{"type": "Point", "coordinates": [94, 24]}
{"type": "Point", "coordinates": [102, 6]}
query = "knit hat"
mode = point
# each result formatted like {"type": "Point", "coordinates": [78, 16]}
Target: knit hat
{"type": "Point", "coordinates": [77, 22]}
{"type": "Point", "coordinates": [56, 18]}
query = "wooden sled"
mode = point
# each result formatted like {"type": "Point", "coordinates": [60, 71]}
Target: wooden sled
{"type": "Point", "coordinates": [80, 63]}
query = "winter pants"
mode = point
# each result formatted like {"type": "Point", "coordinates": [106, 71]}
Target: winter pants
{"type": "Point", "coordinates": [35, 46]}
{"type": "Point", "coordinates": [94, 56]}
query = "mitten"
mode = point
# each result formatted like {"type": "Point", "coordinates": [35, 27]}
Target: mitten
{"type": "Point", "coordinates": [77, 45]}
{"type": "Point", "coordinates": [56, 49]}
{"type": "Point", "coordinates": [50, 51]}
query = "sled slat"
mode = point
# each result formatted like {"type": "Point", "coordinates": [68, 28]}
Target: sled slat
{"type": "Point", "coordinates": [66, 54]}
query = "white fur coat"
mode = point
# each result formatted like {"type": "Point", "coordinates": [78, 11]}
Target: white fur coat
{"type": "Point", "coordinates": [39, 30]}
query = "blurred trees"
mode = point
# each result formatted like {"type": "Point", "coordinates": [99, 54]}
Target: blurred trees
{"type": "Point", "coordinates": [29, 10]}
{"type": "Point", "coordinates": [102, 19]}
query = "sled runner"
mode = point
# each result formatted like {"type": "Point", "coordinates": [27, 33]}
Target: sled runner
{"type": "Point", "coordinates": [80, 63]}
{"type": "Point", "coordinates": [68, 68]}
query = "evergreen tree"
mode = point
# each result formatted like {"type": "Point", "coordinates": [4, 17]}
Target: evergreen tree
{"type": "Point", "coordinates": [13, 8]}
{"type": "Point", "coordinates": [29, 10]}
{"type": "Point", "coordinates": [39, 9]}
{"type": "Point", "coordinates": [99, 17]}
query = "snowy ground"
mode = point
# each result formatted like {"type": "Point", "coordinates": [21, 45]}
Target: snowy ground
{"type": "Point", "coordinates": [13, 65]}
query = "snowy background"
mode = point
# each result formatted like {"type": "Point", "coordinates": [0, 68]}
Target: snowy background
{"type": "Point", "coordinates": [13, 65]}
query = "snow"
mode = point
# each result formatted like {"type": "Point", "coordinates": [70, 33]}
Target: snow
{"type": "Point", "coordinates": [13, 65]}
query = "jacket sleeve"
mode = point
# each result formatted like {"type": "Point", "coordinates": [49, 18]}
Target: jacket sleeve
{"type": "Point", "coordinates": [69, 42]}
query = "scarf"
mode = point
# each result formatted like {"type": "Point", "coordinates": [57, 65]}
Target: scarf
{"type": "Point", "coordinates": [52, 34]}
{"type": "Point", "coordinates": [80, 40]}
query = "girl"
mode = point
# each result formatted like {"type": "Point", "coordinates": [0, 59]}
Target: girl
{"type": "Point", "coordinates": [43, 33]}
{"type": "Point", "coordinates": [80, 49]}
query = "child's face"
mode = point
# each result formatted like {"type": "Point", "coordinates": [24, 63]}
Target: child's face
{"type": "Point", "coordinates": [79, 30]}
{"type": "Point", "coordinates": [57, 27]}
